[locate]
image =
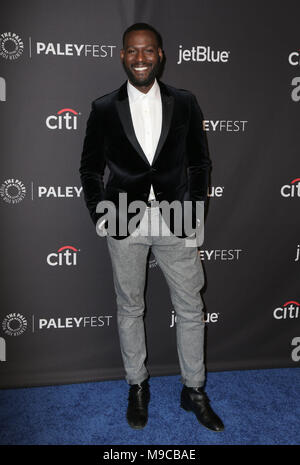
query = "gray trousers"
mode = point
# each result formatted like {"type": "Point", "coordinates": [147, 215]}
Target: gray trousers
{"type": "Point", "coordinates": [183, 271]}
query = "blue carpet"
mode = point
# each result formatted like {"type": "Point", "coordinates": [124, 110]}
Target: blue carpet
{"type": "Point", "coordinates": [257, 407]}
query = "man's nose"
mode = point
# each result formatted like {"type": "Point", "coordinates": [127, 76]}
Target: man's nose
{"type": "Point", "coordinates": [140, 56]}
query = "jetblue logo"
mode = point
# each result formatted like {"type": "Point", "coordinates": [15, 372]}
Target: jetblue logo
{"type": "Point", "coordinates": [202, 53]}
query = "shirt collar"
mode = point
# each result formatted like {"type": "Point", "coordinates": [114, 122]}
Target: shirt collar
{"type": "Point", "coordinates": [135, 94]}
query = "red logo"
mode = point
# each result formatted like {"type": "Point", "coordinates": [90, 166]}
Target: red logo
{"type": "Point", "coordinates": [66, 255]}
{"type": "Point", "coordinates": [66, 118]}
{"type": "Point", "coordinates": [292, 189]}
{"type": "Point", "coordinates": [290, 309]}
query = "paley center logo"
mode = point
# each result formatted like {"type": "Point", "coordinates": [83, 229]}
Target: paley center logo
{"type": "Point", "coordinates": [14, 324]}
{"type": "Point", "coordinates": [202, 53]}
{"type": "Point", "coordinates": [66, 255]}
{"type": "Point", "coordinates": [12, 191]}
{"type": "Point", "coordinates": [66, 118]}
{"type": "Point", "coordinates": [289, 310]}
{"type": "Point", "coordinates": [57, 192]}
{"type": "Point", "coordinates": [11, 46]}
{"type": "Point", "coordinates": [224, 125]}
{"type": "Point", "coordinates": [72, 322]}
{"type": "Point", "coordinates": [70, 50]}
{"type": "Point", "coordinates": [220, 254]}
{"type": "Point", "coordinates": [292, 189]}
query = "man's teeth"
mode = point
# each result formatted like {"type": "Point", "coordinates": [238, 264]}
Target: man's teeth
{"type": "Point", "coordinates": [140, 68]}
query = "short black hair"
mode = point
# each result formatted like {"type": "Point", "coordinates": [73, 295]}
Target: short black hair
{"type": "Point", "coordinates": [143, 27]}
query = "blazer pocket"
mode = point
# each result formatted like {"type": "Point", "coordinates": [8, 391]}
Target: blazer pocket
{"type": "Point", "coordinates": [178, 128]}
{"type": "Point", "coordinates": [181, 186]}
{"type": "Point", "coordinates": [114, 189]}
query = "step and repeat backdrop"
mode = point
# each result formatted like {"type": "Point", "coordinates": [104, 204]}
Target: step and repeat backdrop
{"type": "Point", "coordinates": [58, 310]}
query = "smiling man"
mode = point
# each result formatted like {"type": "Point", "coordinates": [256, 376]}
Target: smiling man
{"type": "Point", "coordinates": [141, 59]}
{"type": "Point", "coordinates": [151, 137]}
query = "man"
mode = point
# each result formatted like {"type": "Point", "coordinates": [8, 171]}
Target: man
{"type": "Point", "coordinates": [150, 135]}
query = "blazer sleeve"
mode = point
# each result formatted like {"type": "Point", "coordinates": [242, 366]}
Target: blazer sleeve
{"type": "Point", "coordinates": [199, 164]}
{"type": "Point", "coordinates": [93, 163]}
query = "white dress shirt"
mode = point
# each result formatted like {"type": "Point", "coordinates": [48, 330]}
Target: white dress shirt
{"type": "Point", "coordinates": [146, 114]}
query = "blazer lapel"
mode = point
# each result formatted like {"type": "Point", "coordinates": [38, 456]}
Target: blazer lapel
{"type": "Point", "coordinates": [167, 112]}
{"type": "Point", "coordinates": [125, 116]}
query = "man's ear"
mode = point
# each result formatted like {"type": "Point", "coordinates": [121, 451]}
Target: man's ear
{"type": "Point", "coordinates": [122, 53]}
{"type": "Point", "coordinates": [161, 54]}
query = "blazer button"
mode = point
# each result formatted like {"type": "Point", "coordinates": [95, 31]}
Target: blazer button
{"type": "Point", "coordinates": [153, 170]}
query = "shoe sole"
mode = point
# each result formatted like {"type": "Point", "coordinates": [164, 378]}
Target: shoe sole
{"type": "Point", "coordinates": [133, 426]}
{"type": "Point", "coordinates": [209, 429]}
{"type": "Point", "coordinates": [136, 427]}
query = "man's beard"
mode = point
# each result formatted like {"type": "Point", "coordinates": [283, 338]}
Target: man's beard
{"type": "Point", "coordinates": [146, 82]}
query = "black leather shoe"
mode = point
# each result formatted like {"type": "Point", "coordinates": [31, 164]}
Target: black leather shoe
{"type": "Point", "coordinates": [194, 399]}
{"type": "Point", "coordinates": [138, 399]}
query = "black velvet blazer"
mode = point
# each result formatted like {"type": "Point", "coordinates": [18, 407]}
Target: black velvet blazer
{"type": "Point", "coordinates": [181, 164]}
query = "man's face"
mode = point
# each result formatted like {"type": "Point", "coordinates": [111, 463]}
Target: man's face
{"type": "Point", "coordinates": [141, 57]}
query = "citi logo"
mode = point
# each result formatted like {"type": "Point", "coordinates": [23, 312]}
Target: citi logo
{"type": "Point", "coordinates": [202, 53]}
{"type": "Point", "coordinates": [2, 90]}
{"type": "Point", "coordinates": [66, 255]}
{"type": "Point", "coordinates": [64, 119]}
{"type": "Point", "coordinates": [292, 189]}
{"type": "Point", "coordinates": [289, 310]}
{"type": "Point", "coordinates": [294, 58]}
